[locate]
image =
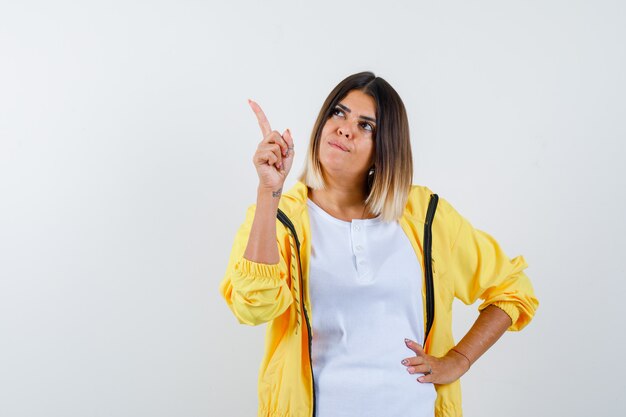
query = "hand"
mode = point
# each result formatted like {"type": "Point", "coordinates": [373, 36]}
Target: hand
{"type": "Point", "coordinates": [274, 155]}
{"type": "Point", "coordinates": [436, 370]}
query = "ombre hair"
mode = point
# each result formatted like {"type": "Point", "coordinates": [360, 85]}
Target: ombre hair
{"type": "Point", "coordinates": [389, 179]}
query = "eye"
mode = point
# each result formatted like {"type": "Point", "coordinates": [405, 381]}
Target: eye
{"type": "Point", "coordinates": [367, 126]}
{"type": "Point", "coordinates": [337, 112]}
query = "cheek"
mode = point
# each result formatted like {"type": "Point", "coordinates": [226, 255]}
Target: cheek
{"type": "Point", "coordinates": [368, 148]}
{"type": "Point", "coordinates": [328, 127]}
{"type": "Point", "coordinates": [368, 153]}
{"type": "Point", "coordinates": [327, 132]}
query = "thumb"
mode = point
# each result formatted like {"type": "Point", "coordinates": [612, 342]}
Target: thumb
{"type": "Point", "coordinates": [415, 347]}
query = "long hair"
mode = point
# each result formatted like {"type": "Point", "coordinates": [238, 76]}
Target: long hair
{"type": "Point", "coordinates": [389, 180]}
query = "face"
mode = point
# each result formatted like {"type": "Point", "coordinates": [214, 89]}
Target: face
{"type": "Point", "coordinates": [347, 139]}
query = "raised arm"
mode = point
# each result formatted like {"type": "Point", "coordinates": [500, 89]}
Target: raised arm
{"type": "Point", "coordinates": [272, 160]}
{"type": "Point", "coordinates": [254, 286]}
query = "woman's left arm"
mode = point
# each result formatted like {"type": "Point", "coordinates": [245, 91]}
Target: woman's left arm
{"type": "Point", "coordinates": [479, 269]}
{"type": "Point", "coordinates": [487, 329]}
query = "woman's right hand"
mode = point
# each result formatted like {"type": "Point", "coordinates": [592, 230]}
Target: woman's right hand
{"type": "Point", "coordinates": [274, 155]}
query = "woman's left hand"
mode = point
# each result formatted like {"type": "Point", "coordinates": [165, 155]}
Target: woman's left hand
{"type": "Point", "coordinates": [436, 370]}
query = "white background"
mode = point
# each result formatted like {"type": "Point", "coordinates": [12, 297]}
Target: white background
{"type": "Point", "coordinates": [125, 171]}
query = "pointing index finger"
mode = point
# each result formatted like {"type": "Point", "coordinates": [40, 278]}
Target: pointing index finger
{"type": "Point", "coordinates": [263, 122]}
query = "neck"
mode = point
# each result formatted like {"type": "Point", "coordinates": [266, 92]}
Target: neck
{"type": "Point", "coordinates": [344, 200]}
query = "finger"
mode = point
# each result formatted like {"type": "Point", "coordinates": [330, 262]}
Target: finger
{"type": "Point", "coordinates": [266, 157]}
{"type": "Point", "coordinates": [426, 378]}
{"type": "Point", "coordinates": [274, 148]}
{"type": "Point", "coordinates": [273, 159]}
{"type": "Point", "coordinates": [415, 347]}
{"type": "Point", "coordinates": [289, 140]}
{"type": "Point", "coordinates": [275, 137]}
{"type": "Point", "coordinates": [419, 369]}
{"type": "Point", "coordinates": [260, 116]}
{"type": "Point", "coordinates": [413, 360]}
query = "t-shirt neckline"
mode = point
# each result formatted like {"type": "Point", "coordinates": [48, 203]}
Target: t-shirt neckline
{"type": "Point", "coordinates": [322, 213]}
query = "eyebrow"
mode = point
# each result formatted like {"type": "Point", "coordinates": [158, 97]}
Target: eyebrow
{"type": "Point", "coordinates": [371, 119]}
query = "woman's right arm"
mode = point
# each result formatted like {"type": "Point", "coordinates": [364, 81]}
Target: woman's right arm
{"type": "Point", "coordinates": [255, 287]}
{"type": "Point", "coordinates": [262, 247]}
{"type": "Point", "coordinates": [272, 160]}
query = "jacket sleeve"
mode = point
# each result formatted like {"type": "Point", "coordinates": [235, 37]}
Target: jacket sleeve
{"type": "Point", "coordinates": [255, 292]}
{"type": "Point", "coordinates": [481, 269]}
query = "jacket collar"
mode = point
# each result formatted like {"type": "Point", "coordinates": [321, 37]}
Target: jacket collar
{"type": "Point", "coordinates": [299, 192]}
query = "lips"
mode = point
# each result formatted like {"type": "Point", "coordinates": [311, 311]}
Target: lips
{"type": "Point", "coordinates": [338, 145]}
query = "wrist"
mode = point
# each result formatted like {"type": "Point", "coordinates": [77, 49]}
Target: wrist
{"type": "Point", "coordinates": [462, 359]}
{"type": "Point", "coordinates": [273, 192]}
{"type": "Point", "coordinates": [269, 195]}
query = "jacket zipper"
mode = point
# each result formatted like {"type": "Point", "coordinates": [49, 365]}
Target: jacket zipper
{"type": "Point", "coordinates": [430, 291]}
{"type": "Point", "coordinates": [285, 221]}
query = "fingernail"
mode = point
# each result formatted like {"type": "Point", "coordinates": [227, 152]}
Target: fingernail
{"type": "Point", "coordinates": [420, 379]}
{"type": "Point", "coordinates": [410, 369]}
{"type": "Point", "coordinates": [404, 361]}
{"type": "Point", "coordinates": [407, 341]}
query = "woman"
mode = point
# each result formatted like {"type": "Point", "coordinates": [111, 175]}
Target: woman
{"type": "Point", "coordinates": [357, 277]}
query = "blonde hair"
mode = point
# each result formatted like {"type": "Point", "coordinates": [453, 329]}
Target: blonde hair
{"type": "Point", "coordinates": [389, 179]}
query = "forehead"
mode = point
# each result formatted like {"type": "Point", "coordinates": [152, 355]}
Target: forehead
{"type": "Point", "coordinates": [360, 103]}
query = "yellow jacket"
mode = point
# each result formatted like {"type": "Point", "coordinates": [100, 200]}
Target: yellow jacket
{"type": "Point", "coordinates": [466, 263]}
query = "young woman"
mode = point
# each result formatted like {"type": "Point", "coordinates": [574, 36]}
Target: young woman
{"type": "Point", "coordinates": [355, 270]}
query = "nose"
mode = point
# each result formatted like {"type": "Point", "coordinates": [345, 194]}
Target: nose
{"type": "Point", "coordinates": [345, 130]}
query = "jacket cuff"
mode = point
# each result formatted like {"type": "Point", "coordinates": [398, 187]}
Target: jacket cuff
{"type": "Point", "coordinates": [262, 275]}
{"type": "Point", "coordinates": [247, 268]}
{"type": "Point", "coordinates": [511, 309]}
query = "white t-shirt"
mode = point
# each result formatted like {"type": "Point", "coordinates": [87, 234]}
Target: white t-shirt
{"type": "Point", "coordinates": [365, 287]}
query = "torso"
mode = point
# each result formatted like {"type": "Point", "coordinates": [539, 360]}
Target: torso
{"type": "Point", "coordinates": [365, 286]}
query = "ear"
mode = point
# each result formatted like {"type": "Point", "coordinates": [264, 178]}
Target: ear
{"type": "Point", "coordinates": [370, 177]}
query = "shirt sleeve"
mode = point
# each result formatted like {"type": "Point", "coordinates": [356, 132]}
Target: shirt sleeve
{"type": "Point", "coordinates": [255, 292]}
{"type": "Point", "coordinates": [481, 269]}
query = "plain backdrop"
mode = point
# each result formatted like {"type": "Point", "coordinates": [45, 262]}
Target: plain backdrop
{"type": "Point", "coordinates": [125, 170]}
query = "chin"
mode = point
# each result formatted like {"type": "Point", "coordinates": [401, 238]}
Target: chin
{"type": "Point", "coordinates": [331, 162]}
